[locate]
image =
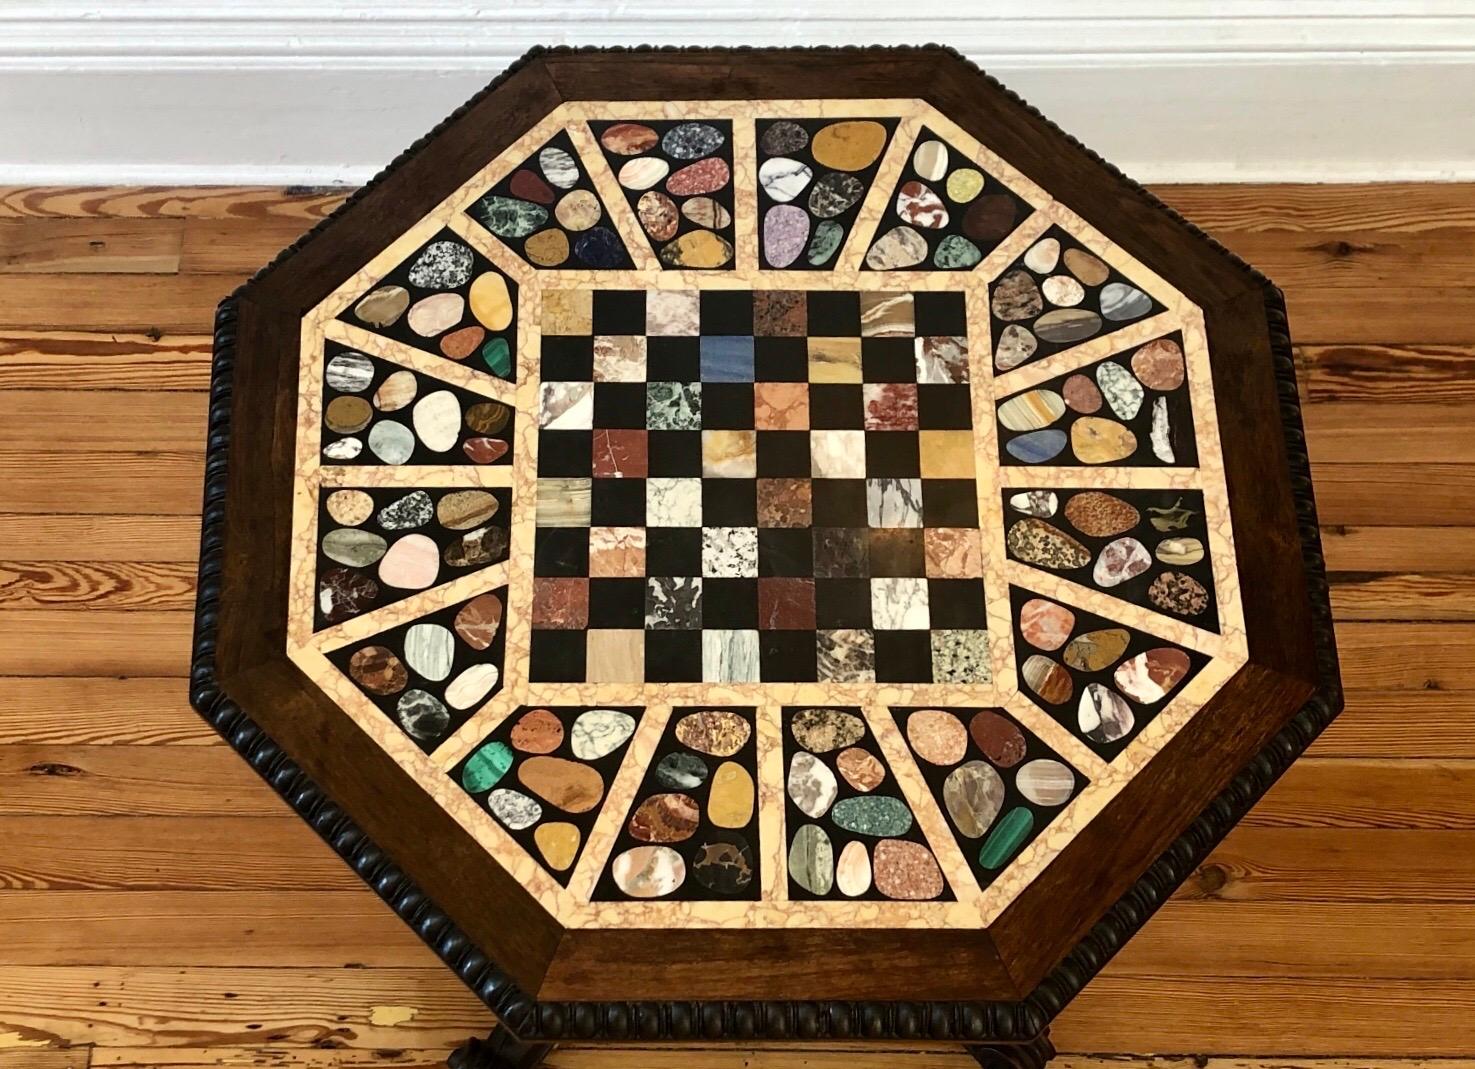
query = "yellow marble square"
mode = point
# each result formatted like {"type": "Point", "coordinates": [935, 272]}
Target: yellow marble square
{"type": "Point", "coordinates": [568, 312]}
{"type": "Point", "coordinates": [946, 454]}
{"type": "Point", "coordinates": [614, 656]}
{"type": "Point", "coordinates": [834, 360]}
{"type": "Point", "coordinates": [729, 454]}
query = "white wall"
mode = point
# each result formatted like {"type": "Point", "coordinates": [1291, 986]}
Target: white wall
{"type": "Point", "coordinates": [280, 91]}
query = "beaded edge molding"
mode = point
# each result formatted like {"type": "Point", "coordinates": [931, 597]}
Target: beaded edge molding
{"type": "Point", "coordinates": [965, 1022]}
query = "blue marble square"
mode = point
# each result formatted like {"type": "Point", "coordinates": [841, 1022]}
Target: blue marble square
{"type": "Point", "coordinates": [727, 358]}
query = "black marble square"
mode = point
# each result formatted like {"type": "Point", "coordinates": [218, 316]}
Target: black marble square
{"type": "Point", "coordinates": [674, 454]}
{"type": "Point", "coordinates": [834, 315]}
{"type": "Point", "coordinates": [617, 603]}
{"type": "Point", "coordinates": [565, 453]}
{"type": "Point", "coordinates": [730, 502]}
{"type": "Point", "coordinates": [561, 551]}
{"type": "Point", "coordinates": [944, 408]}
{"type": "Point", "coordinates": [566, 359]}
{"type": "Point", "coordinates": [888, 360]}
{"type": "Point", "coordinates": [785, 551]}
{"type": "Point", "coordinates": [838, 503]}
{"type": "Point", "coordinates": [956, 603]}
{"type": "Point", "coordinates": [780, 359]}
{"type": "Point", "coordinates": [617, 405]}
{"type": "Point", "coordinates": [619, 311]}
{"type": "Point", "coordinates": [673, 656]}
{"type": "Point", "coordinates": [949, 503]}
{"type": "Point", "coordinates": [842, 603]}
{"type": "Point", "coordinates": [783, 453]}
{"type": "Point", "coordinates": [787, 656]}
{"type": "Point", "coordinates": [903, 657]}
{"type": "Point", "coordinates": [673, 551]}
{"type": "Point", "coordinates": [729, 604]}
{"type": "Point", "coordinates": [836, 406]}
{"type": "Point", "coordinates": [673, 359]}
{"type": "Point", "coordinates": [893, 453]}
{"type": "Point", "coordinates": [556, 656]}
{"type": "Point", "coordinates": [727, 406]}
{"type": "Point", "coordinates": [617, 503]}
{"type": "Point", "coordinates": [726, 312]}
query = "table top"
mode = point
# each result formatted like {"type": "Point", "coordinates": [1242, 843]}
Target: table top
{"type": "Point", "coordinates": [719, 530]}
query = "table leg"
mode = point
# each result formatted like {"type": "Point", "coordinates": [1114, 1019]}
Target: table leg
{"type": "Point", "coordinates": [1030, 1054]}
{"type": "Point", "coordinates": [500, 1050]}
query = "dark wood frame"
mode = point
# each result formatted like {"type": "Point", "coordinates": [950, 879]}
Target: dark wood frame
{"type": "Point", "coordinates": [1053, 938]}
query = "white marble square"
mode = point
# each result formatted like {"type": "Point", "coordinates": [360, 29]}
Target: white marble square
{"type": "Point", "coordinates": [619, 358]}
{"type": "Point", "coordinates": [566, 406]}
{"type": "Point", "coordinates": [673, 502]}
{"type": "Point", "coordinates": [730, 656]}
{"type": "Point", "coordinates": [672, 312]}
{"type": "Point", "coordinates": [730, 552]}
{"type": "Point", "coordinates": [894, 502]}
{"type": "Point", "coordinates": [900, 604]}
{"type": "Point", "coordinates": [837, 454]}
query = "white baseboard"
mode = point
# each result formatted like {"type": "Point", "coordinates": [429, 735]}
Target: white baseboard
{"type": "Point", "coordinates": [158, 93]}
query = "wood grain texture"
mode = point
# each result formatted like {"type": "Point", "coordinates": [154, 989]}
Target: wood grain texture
{"type": "Point", "coordinates": [155, 869]}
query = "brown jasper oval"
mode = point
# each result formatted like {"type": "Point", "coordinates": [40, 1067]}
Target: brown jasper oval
{"type": "Point", "coordinates": [629, 138]}
{"type": "Point", "coordinates": [1159, 364]}
{"type": "Point", "coordinates": [990, 218]}
{"type": "Point", "coordinates": [1179, 593]}
{"type": "Point", "coordinates": [378, 670]}
{"type": "Point", "coordinates": [459, 344]}
{"type": "Point", "coordinates": [345, 415]}
{"type": "Point", "coordinates": [1047, 679]}
{"type": "Point", "coordinates": [569, 785]}
{"type": "Point", "coordinates": [538, 731]}
{"type": "Point", "coordinates": [465, 509]}
{"type": "Point", "coordinates": [998, 737]}
{"type": "Point", "coordinates": [1081, 395]}
{"type": "Point", "coordinates": [547, 248]}
{"type": "Point", "coordinates": [658, 215]}
{"type": "Point", "coordinates": [906, 870]}
{"type": "Point", "coordinates": [714, 732]}
{"type": "Point", "coordinates": [487, 417]}
{"type": "Point", "coordinates": [938, 737]}
{"type": "Point", "coordinates": [528, 186]}
{"type": "Point", "coordinates": [860, 769]}
{"type": "Point", "coordinates": [485, 450]}
{"type": "Point", "coordinates": [1086, 267]}
{"type": "Point", "coordinates": [1101, 515]}
{"type": "Point", "coordinates": [479, 620]}
{"type": "Point", "coordinates": [665, 818]}
{"type": "Point", "coordinates": [1096, 650]}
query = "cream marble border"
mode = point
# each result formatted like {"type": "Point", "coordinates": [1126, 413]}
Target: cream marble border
{"type": "Point", "coordinates": [975, 908]}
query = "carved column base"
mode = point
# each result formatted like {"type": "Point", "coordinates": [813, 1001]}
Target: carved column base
{"type": "Point", "coordinates": [1031, 1054]}
{"type": "Point", "coordinates": [500, 1050]}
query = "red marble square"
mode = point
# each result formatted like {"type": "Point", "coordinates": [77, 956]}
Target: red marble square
{"type": "Point", "coordinates": [561, 604]}
{"type": "Point", "coordinates": [620, 454]}
{"type": "Point", "coordinates": [786, 604]}
{"type": "Point", "coordinates": [891, 406]}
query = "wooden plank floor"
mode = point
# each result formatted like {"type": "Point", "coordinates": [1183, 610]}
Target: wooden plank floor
{"type": "Point", "coordinates": [160, 907]}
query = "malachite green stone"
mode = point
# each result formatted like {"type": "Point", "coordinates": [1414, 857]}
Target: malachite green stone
{"type": "Point", "coordinates": [486, 766]}
{"type": "Point", "coordinates": [876, 815]}
{"type": "Point", "coordinates": [498, 356]}
{"type": "Point", "coordinates": [508, 217]}
{"type": "Point", "coordinates": [1004, 840]}
{"type": "Point", "coordinates": [956, 252]}
{"type": "Point", "coordinates": [827, 238]}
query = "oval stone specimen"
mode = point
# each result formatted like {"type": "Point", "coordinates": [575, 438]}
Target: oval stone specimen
{"type": "Point", "coordinates": [990, 218]}
{"type": "Point", "coordinates": [853, 870]}
{"type": "Point", "coordinates": [782, 138]}
{"type": "Point", "coordinates": [973, 793]}
{"type": "Point", "coordinates": [930, 160]}
{"type": "Point", "coordinates": [1006, 838]}
{"type": "Point", "coordinates": [357, 549]}
{"type": "Point", "coordinates": [1063, 291]}
{"type": "Point", "coordinates": [897, 249]}
{"type": "Point", "coordinates": [395, 392]}
{"type": "Point", "coordinates": [784, 179]}
{"type": "Point", "coordinates": [1016, 297]}
{"type": "Point", "coordinates": [691, 140]}
{"type": "Point", "coordinates": [1042, 503]}
{"type": "Point", "coordinates": [1159, 365]}
{"type": "Point", "coordinates": [704, 211]}
{"type": "Point", "coordinates": [1101, 515]}
{"type": "Point", "coordinates": [811, 785]}
{"type": "Point", "coordinates": [1150, 677]}
{"type": "Point", "coordinates": [569, 785]}
{"type": "Point", "coordinates": [918, 205]}
{"type": "Point", "coordinates": [852, 145]}
{"type": "Point", "coordinates": [704, 176]}
{"type": "Point", "coordinates": [629, 138]}
{"type": "Point", "coordinates": [529, 186]}
{"type": "Point", "coordinates": [484, 450]}
{"type": "Point", "coordinates": [648, 871]}
{"type": "Point", "coordinates": [349, 373]}
{"type": "Point", "coordinates": [1179, 551]}
{"type": "Point", "coordinates": [391, 442]}
{"type": "Point", "coordinates": [1086, 267]}
{"type": "Point", "coordinates": [956, 252]}
{"type": "Point", "coordinates": [730, 800]}
{"type": "Point", "coordinates": [937, 736]}
{"type": "Point", "coordinates": [1179, 593]}
{"type": "Point", "coordinates": [906, 871]}
{"type": "Point", "coordinates": [1122, 391]}
{"type": "Point", "coordinates": [1016, 345]}
{"type": "Point", "coordinates": [600, 732]}
{"type": "Point", "coordinates": [1043, 255]}
{"type": "Point", "coordinates": [1045, 782]}
{"type": "Point", "coordinates": [558, 167]}
{"type": "Point", "coordinates": [486, 766]}
{"type": "Point", "coordinates": [834, 193]}
{"type": "Point", "coordinates": [436, 313]}
{"type": "Point", "coordinates": [860, 769]}
{"type": "Point", "coordinates": [478, 621]}
{"type": "Point", "coordinates": [422, 714]}
{"type": "Point", "coordinates": [1063, 326]}
{"type": "Point", "coordinates": [812, 860]}
{"type": "Point", "coordinates": [408, 512]}
{"type": "Point", "coordinates": [429, 649]}
{"type": "Point", "coordinates": [1096, 650]}
{"type": "Point", "coordinates": [1047, 679]}
{"type": "Point", "coordinates": [491, 302]}
{"type": "Point", "coordinates": [382, 307]}
{"type": "Point", "coordinates": [1101, 441]}
{"type": "Point", "coordinates": [482, 546]}
{"type": "Point", "coordinates": [558, 842]}
{"type": "Point", "coordinates": [723, 862]}
{"type": "Point", "coordinates": [1120, 301]}
{"type": "Point", "coordinates": [378, 670]}
{"type": "Point", "coordinates": [681, 771]}
{"type": "Point", "coordinates": [785, 234]}
{"type": "Point", "coordinates": [964, 184]}
{"type": "Point", "coordinates": [343, 594]}
{"type": "Point", "coordinates": [873, 814]}
{"type": "Point", "coordinates": [998, 737]}
{"type": "Point", "coordinates": [1119, 561]}
{"type": "Point", "coordinates": [472, 685]}
{"type": "Point", "coordinates": [658, 214]}
{"type": "Point", "coordinates": [1036, 447]}
{"type": "Point", "coordinates": [442, 265]}
{"type": "Point", "coordinates": [465, 509]}
{"type": "Point", "coordinates": [697, 249]}
{"type": "Point", "coordinates": [547, 248]}
{"type": "Point", "coordinates": [510, 217]}
{"type": "Point", "coordinates": [578, 210]}
{"type": "Point", "coordinates": [412, 563]}
{"type": "Point", "coordinates": [714, 732]}
{"type": "Point", "coordinates": [1044, 624]}
{"type": "Point", "coordinates": [1103, 716]}
{"type": "Point", "coordinates": [643, 173]}
{"type": "Point", "coordinates": [825, 242]}
{"type": "Point", "coordinates": [1081, 395]}
{"type": "Point", "coordinates": [538, 731]}
{"type": "Point", "coordinates": [665, 818]}
{"type": "Point", "coordinates": [823, 730]}
{"type": "Point", "coordinates": [1031, 410]}
{"type": "Point", "coordinates": [1036, 542]}
{"type": "Point", "coordinates": [344, 415]}
{"type": "Point", "coordinates": [600, 247]}
{"type": "Point", "coordinates": [514, 809]}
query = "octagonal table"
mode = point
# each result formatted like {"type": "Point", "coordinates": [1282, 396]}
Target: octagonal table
{"type": "Point", "coordinates": [761, 545]}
